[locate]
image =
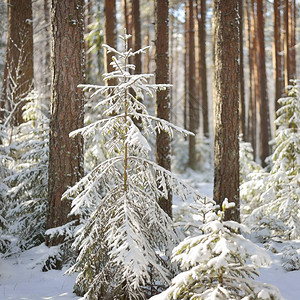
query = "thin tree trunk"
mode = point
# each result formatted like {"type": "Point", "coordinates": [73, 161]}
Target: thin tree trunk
{"type": "Point", "coordinates": [265, 134]}
{"type": "Point", "coordinates": [203, 71]}
{"type": "Point", "coordinates": [242, 106]}
{"type": "Point", "coordinates": [163, 142]}
{"type": "Point", "coordinates": [88, 21]}
{"type": "Point", "coordinates": [197, 66]}
{"type": "Point", "coordinates": [250, 64]}
{"type": "Point", "coordinates": [65, 153]}
{"type": "Point", "coordinates": [277, 48]}
{"type": "Point", "coordinates": [147, 43]}
{"type": "Point", "coordinates": [255, 83]}
{"type": "Point", "coordinates": [47, 74]}
{"type": "Point", "coordinates": [286, 44]}
{"type": "Point", "coordinates": [175, 87]}
{"type": "Point", "coordinates": [192, 89]}
{"type": "Point", "coordinates": [109, 36]}
{"type": "Point", "coordinates": [171, 61]}
{"type": "Point", "coordinates": [226, 176]}
{"type": "Point", "coordinates": [136, 34]}
{"type": "Point", "coordinates": [186, 85]}
{"type": "Point", "coordinates": [292, 38]}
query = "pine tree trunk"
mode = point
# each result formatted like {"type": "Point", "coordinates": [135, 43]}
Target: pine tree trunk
{"type": "Point", "coordinates": [292, 38]}
{"type": "Point", "coordinates": [286, 44]}
{"type": "Point", "coordinates": [136, 34]}
{"type": "Point", "coordinates": [186, 83]}
{"type": "Point", "coordinates": [197, 67]}
{"type": "Point", "coordinates": [109, 36]}
{"type": "Point", "coordinates": [175, 86]}
{"type": "Point", "coordinates": [192, 101]}
{"type": "Point", "coordinates": [242, 105]}
{"type": "Point", "coordinates": [88, 22]}
{"type": "Point", "coordinates": [203, 72]}
{"type": "Point", "coordinates": [47, 74]}
{"type": "Point", "coordinates": [18, 75]}
{"type": "Point", "coordinates": [146, 63]}
{"type": "Point", "coordinates": [226, 78]}
{"type": "Point", "coordinates": [65, 153]}
{"type": "Point", "coordinates": [255, 83]}
{"type": "Point", "coordinates": [250, 65]}
{"type": "Point", "coordinates": [277, 48]}
{"type": "Point", "coordinates": [163, 142]}
{"type": "Point", "coordinates": [265, 134]}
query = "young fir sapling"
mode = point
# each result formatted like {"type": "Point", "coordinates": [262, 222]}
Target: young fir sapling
{"type": "Point", "coordinates": [219, 263]}
{"type": "Point", "coordinates": [125, 243]}
{"type": "Point", "coordinates": [279, 195]}
{"type": "Point", "coordinates": [28, 183]}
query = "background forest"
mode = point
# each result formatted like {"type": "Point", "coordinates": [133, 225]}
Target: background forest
{"type": "Point", "coordinates": [149, 149]}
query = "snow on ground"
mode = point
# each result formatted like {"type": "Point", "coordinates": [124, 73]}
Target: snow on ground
{"type": "Point", "coordinates": [21, 277]}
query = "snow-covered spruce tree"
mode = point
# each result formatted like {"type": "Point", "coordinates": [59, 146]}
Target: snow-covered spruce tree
{"type": "Point", "coordinates": [125, 244]}
{"type": "Point", "coordinates": [280, 197]}
{"type": "Point", "coordinates": [27, 194]}
{"type": "Point", "coordinates": [216, 263]}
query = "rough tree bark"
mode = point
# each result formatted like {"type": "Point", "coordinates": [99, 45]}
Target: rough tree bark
{"type": "Point", "coordinates": [286, 44]}
{"type": "Point", "coordinates": [136, 34]}
{"type": "Point", "coordinates": [192, 101]}
{"type": "Point", "coordinates": [203, 72]}
{"type": "Point", "coordinates": [250, 64]}
{"type": "Point", "coordinates": [277, 48]}
{"type": "Point", "coordinates": [109, 35]}
{"type": "Point", "coordinates": [226, 78]}
{"type": "Point", "coordinates": [264, 132]}
{"type": "Point", "coordinates": [292, 37]}
{"type": "Point", "coordinates": [18, 73]}
{"type": "Point", "coordinates": [186, 84]}
{"type": "Point", "coordinates": [65, 153]}
{"type": "Point", "coordinates": [242, 106]}
{"type": "Point", "coordinates": [163, 143]}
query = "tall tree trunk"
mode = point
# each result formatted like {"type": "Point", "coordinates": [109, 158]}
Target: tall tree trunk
{"type": "Point", "coordinates": [163, 142]}
{"type": "Point", "coordinates": [203, 72]}
{"type": "Point", "coordinates": [242, 105]}
{"type": "Point", "coordinates": [147, 43]}
{"type": "Point", "coordinates": [18, 76]}
{"type": "Point", "coordinates": [109, 35]}
{"type": "Point", "coordinates": [292, 38]}
{"type": "Point", "coordinates": [136, 34]}
{"type": "Point", "coordinates": [88, 21]}
{"type": "Point", "coordinates": [47, 74]}
{"type": "Point", "coordinates": [192, 88]}
{"type": "Point", "coordinates": [186, 84]}
{"type": "Point", "coordinates": [226, 78]}
{"type": "Point", "coordinates": [176, 63]}
{"type": "Point", "coordinates": [277, 48]}
{"type": "Point", "coordinates": [197, 66]}
{"type": "Point", "coordinates": [255, 83]}
{"type": "Point", "coordinates": [286, 44]}
{"type": "Point", "coordinates": [65, 153]}
{"type": "Point", "coordinates": [250, 65]}
{"type": "Point", "coordinates": [265, 133]}
{"type": "Point", "coordinates": [171, 64]}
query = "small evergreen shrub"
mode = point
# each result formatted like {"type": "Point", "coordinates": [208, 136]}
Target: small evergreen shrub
{"type": "Point", "coordinates": [219, 263]}
{"type": "Point", "coordinates": [125, 242]}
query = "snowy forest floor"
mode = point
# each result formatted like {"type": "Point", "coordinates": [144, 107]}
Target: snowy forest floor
{"type": "Point", "coordinates": [21, 276]}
